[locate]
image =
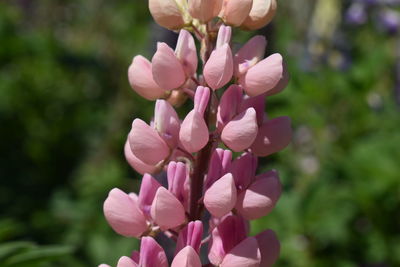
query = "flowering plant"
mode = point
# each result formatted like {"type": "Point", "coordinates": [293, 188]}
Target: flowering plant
{"type": "Point", "coordinates": [210, 197]}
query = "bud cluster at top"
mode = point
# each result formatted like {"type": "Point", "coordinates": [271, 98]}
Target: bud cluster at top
{"type": "Point", "coordinates": [210, 195]}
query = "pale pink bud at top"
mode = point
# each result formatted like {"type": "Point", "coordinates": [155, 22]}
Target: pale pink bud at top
{"type": "Point", "coordinates": [218, 69]}
{"type": "Point", "coordinates": [176, 174]}
{"type": "Point", "coordinates": [125, 261]}
{"type": "Point", "coordinates": [187, 257]}
{"type": "Point", "coordinates": [166, 13]}
{"type": "Point", "coordinates": [249, 54]}
{"type": "Point", "coordinates": [167, 70]}
{"type": "Point", "coordinates": [148, 190]}
{"type": "Point", "coordinates": [241, 131]}
{"type": "Point", "coordinates": [256, 102]}
{"type": "Point", "coordinates": [230, 232]}
{"type": "Point", "coordinates": [191, 235]}
{"type": "Point", "coordinates": [194, 132]}
{"type": "Point", "coordinates": [234, 12]}
{"type": "Point", "coordinates": [141, 79]}
{"type": "Point", "coordinates": [243, 170]}
{"type": "Point", "coordinates": [260, 198]}
{"type": "Point", "coordinates": [146, 144]}
{"type": "Point", "coordinates": [273, 136]}
{"type": "Point", "coordinates": [220, 198]}
{"type": "Point", "coordinates": [186, 52]}
{"type": "Point", "coordinates": [136, 163]}
{"type": "Point", "coordinates": [269, 247]}
{"type": "Point", "coordinates": [201, 99]}
{"type": "Point", "coordinates": [246, 253]}
{"type": "Point", "coordinates": [267, 76]}
{"type": "Point", "coordinates": [219, 165]}
{"type": "Point", "coordinates": [224, 36]}
{"type": "Point", "coordinates": [152, 254]}
{"type": "Point", "coordinates": [229, 105]}
{"type": "Point", "coordinates": [260, 15]}
{"type": "Point", "coordinates": [123, 214]}
{"type": "Point", "coordinates": [167, 122]}
{"type": "Point", "coordinates": [104, 265]}
{"type": "Point", "coordinates": [204, 10]}
{"type": "Point", "coordinates": [166, 210]}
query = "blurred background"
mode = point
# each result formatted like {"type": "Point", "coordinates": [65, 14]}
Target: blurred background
{"type": "Point", "coordinates": [66, 108]}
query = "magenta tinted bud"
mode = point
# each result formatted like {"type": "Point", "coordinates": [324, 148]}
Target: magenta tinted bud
{"type": "Point", "coordinates": [246, 253]}
{"type": "Point", "coordinates": [256, 102]}
{"type": "Point", "coordinates": [244, 170]}
{"type": "Point", "coordinates": [177, 174]}
{"type": "Point", "coordinates": [191, 235]}
{"type": "Point", "coordinates": [148, 190]}
{"type": "Point", "coordinates": [151, 254]}
{"type": "Point", "coordinates": [249, 55]}
{"type": "Point", "coordinates": [229, 105]}
{"type": "Point", "coordinates": [269, 247]}
{"type": "Point", "coordinates": [219, 165]}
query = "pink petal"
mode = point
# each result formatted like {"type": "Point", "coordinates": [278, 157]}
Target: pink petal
{"type": "Point", "coordinates": [123, 214]}
{"type": "Point", "coordinates": [146, 144]}
{"type": "Point", "coordinates": [126, 262]}
{"type": "Point", "coordinates": [269, 247]}
{"type": "Point", "coordinates": [244, 169]}
{"type": "Point", "coordinates": [152, 254]}
{"type": "Point", "coordinates": [234, 12]}
{"type": "Point", "coordinates": [166, 13]}
{"type": "Point", "coordinates": [167, 123]}
{"type": "Point", "coordinates": [204, 10]}
{"type": "Point", "coordinates": [229, 105]}
{"type": "Point", "coordinates": [194, 132]}
{"type": "Point", "coordinates": [219, 165]}
{"type": "Point", "coordinates": [260, 15]}
{"type": "Point", "coordinates": [241, 131]}
{"type": "Point", "coordinates": [220, 198]}
{"type": "Point", "coordinates": [191, 235]}
{"type": "Point", "coordinates": [273, 136]}
{"type": "Point", "coordinates": [147, 192]}
{"type": "Point", "coordinates": [168, 72]}
{"type": "Point", "coordinates": [136, 163]}
{"type": "Point", "coordinates": [141, 79]}
{"type": "Point", "coordinates": [219, 68]}
{"type": "Point", "coordinates": [224, 36]}
{"type": "Point", "coordinates": [166, 210]}
{"type": "Point", "coordinates": [201, 99]}
{"type": "Point", "coordinates": [246, 253]}
{"type": "Point", "coordinates": [187, 257]}
{"type": "Point", "coordinates": [256, 102]}
{"type": "Point", "coordinates": [186, 52]}
{"type": "Point", "coordinates": [260, 198]}
{"type": "Point", "coordinates": [267, 76]}
{"type": "Point", "coordinates": [251, 53]}
{"type": "Point", "coordinates": [177, 174]}
{"type": "Point", "coordinates": [104, 265]}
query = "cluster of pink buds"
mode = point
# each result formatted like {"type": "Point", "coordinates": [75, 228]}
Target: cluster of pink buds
{"type": "Point", "coordinates": [211, 195]}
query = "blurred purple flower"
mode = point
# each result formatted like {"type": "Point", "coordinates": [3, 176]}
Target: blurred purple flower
{"type": "Point", "coordinates": [356, 14]}
{"type": "Point", "coordinates": [389, 21]}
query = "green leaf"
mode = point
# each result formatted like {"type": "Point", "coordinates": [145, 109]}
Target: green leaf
{"type": "Point", "coordinates": [41, 254]}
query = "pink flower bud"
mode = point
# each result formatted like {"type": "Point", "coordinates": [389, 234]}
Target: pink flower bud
{"type": "Point", "coordinates": [267, 76]}
{"type": "Point", "coordinates": [243, 170]}
{"type": "Point", "coordinates": [201, 99]}
{"type": "Point", "coordinates": [187, 257]}
{"type": "Point", "coordinates": [123, 214]}
{"type": "Point", "coordinates": [249, 55]}
{"type": "Point", "coordinates": [260, 15]}
{"type": "Point", "coordinates": [177, 174]}
{"type": "Point", "coordinates": [186, 52]}
{"type": "Point", "coordinates": [220, 198]}
{"type": "Point", "coordinates": [141, 79]}
{"type": "Point", "coordinates": [269, 247]}
{"type": "Point", "coordinates": [126, 262]}
{"type": "Point", "coordinates": [152, 254]}
{"type": "Point", "coordinates": [246, 253]}
{"type": "Point", "coordinates": [167, 123]}
{"type": "Point", "coordinates": [219, 165]}
{"type": "Point", "coordinates": [234, 12]}
{"type": "Point", "coordinates": [104, 265]}
{"type": "Point", "coordinates": [166, 210]}
{"type": "Point", "coordinates": [229, 105]}
{"type": "Point", "coordinates": [224, 36]}
{"type": "Point", "coordinates": [190, 236]}
{"type": "Point", "coordinates": [256, 102]}
{"type": "Point", "coordinates": [136, 163]}
{"type": "Point", "coordinates": [204, 10]}
{"type": "Point", "coordinates": [194, 132]}
{"type": "Point", "coordinates": [218, 69]}
{"type": "Point", "coordinates": [260, 198]}
{"type": "Point", "coordinates": [241, 131]}
{"type": "Point", "coordinates": [166, 13]}
{"type": "Point", "coordinates": [167, 70]}
{"type": "Point", "coordinates": [147, 192]}
{"type": "Point", "coordinates": [146, 144]}
{"type": "Point", "coordinates": [230, 232]}
{"type": "Point", "coordinates": [273, 136]}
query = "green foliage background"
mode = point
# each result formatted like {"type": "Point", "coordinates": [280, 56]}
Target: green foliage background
{"type": "Point", "coordinates": [66, 108]}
